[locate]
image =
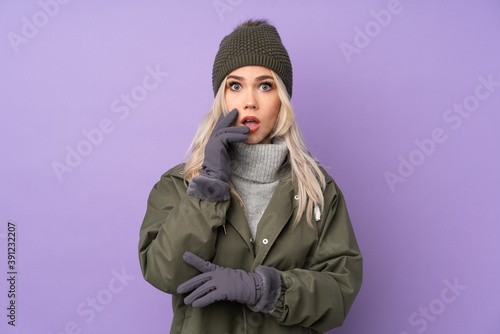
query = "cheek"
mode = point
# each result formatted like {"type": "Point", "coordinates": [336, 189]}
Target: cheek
{"type": "Point", "coordinates": [228, 100]}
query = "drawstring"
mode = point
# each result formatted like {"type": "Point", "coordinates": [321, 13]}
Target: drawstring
{"type": "Point", "coordinates": [317, 213]}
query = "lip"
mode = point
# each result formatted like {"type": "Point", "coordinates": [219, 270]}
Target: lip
{"type": "Point", "coordinates": [251, 118]}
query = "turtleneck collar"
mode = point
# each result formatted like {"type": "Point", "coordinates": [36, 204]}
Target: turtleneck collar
{"type": "Point", "coordinates": [259, 163]}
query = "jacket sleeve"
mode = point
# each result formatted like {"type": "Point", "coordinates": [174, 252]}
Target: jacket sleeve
{"type": "Point", "coordinates": [320, 294]}
{"type": "Point", "coordinates": [174, 223]}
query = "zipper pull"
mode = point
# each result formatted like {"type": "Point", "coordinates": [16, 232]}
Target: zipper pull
{"type": "Point", "coordinates": [224, 227]}
{"type": "Point", "coordinates": [317, 213]}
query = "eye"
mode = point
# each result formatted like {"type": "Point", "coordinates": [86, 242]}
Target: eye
{"type": "Point", "coordinates": [265, 86]}
{"type": "Point", "coordinates": [234, 86]}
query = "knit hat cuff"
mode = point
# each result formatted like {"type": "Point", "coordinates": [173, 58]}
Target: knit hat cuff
{"type": "Point", "coordinates": [255, 44]}
{"type": "Point", "coordinates": [254, 59]}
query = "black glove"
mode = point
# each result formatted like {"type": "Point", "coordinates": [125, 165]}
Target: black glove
{"type": "Point", "coordinates": [212, 183]}
{"type": "Point", "coordinates": [216, 164]}
{"type": "Point", "coordinates": [259, 290]}
{"type": "Point", "coordinates": [219, 283]}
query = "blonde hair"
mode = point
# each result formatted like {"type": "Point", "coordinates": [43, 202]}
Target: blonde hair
{"type": "Point", "coordinates": [305, 169]}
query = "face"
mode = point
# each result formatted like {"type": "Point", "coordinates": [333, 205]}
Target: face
{"type": "Point", "coordinates": [252, 90]}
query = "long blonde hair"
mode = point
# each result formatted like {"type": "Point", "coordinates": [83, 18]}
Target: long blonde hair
{"type": "Point", "coordinates": [305, 169]}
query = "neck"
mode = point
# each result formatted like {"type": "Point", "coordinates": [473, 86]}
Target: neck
{"type": "Point", "coordinates": [260, 163]}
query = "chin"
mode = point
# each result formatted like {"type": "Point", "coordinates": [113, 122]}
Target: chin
{"type": "Point", "coordinates": [256, 139]}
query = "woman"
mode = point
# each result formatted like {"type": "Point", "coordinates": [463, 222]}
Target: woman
{"type": "Point", "coordinates": [251, 235]}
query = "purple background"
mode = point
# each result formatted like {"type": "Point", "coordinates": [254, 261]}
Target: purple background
{"type": "Point", "coordinates": [360, 115]}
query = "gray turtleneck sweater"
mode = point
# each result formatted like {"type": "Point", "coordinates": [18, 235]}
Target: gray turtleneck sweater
{"type": "Point", "coordinates": [255, 173]}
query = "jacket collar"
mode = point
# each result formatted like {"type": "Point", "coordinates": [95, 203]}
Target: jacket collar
{"type": "Point", "coordinates": [282, 206]}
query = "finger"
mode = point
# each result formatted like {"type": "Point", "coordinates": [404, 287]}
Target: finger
{"type": "Point", "coordinates": [201, 292]}
{"type": "Point", "coordinates": [233, 134]}
{"type": "Point", "coordinates": [193, 283]}
{"type": "Point", "coordinates": [208, 299]}
{"type": "Point", "coordinates": [233, 129]}
{"type": "Point", "coordinates": [226, 121]}
{"type": "Point", "coordinates": [234, 138]}
{"type": "Point", "coordinates": [197, 262]}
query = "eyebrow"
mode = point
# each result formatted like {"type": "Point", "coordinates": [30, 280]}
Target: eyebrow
{"type": "Point", "coordinates": [262, 77]}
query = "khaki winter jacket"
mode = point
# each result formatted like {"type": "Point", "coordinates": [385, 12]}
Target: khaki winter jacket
{"type": "Point", "coordinates": [320, 269]}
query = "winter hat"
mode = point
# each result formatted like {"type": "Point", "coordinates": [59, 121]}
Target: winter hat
{"type": "Point", "coordinates": [254, 43]}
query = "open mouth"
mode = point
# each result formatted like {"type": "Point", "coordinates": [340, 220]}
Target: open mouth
{"type": "Point", "coordinates": [252, 122]}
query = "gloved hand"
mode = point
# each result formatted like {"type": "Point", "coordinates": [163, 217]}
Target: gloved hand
{"type": "Point", "coordinates": [216, 164]}
{"type": "Point", "coordinates": [219, 283]}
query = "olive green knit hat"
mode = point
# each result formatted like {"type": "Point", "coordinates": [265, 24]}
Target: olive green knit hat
{"type": "Point", "coordinates": [252, 43]}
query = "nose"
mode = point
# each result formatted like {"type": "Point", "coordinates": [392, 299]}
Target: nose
{"type": "Point", "coordinates": [251, 100]}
